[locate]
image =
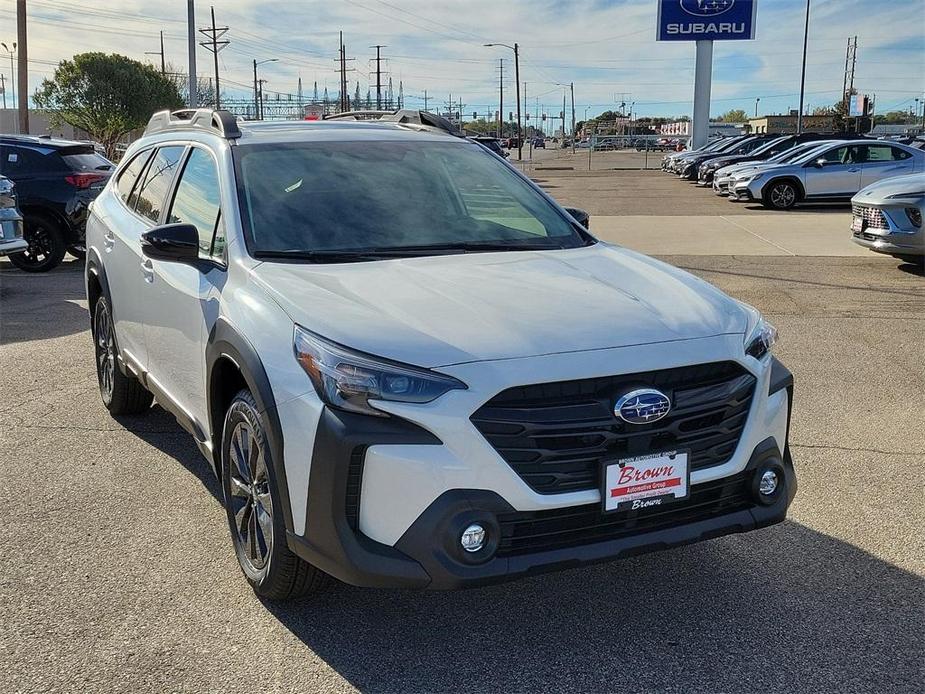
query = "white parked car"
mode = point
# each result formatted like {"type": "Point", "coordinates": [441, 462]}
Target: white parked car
{"type": "Point", "coordinates": [887, 217]}
{"type": "Point", "coordinates": [411, 368]}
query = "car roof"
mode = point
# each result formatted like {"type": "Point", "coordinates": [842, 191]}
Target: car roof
{"type": "Point", "coordinates": [35, 140]}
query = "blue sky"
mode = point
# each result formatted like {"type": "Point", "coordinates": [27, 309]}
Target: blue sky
{"type": "Point", "coordinates": [606, 47]}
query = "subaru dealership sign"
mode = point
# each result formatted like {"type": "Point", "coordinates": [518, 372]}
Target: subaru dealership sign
{"type": "Point", "coordinates": [706, 20]}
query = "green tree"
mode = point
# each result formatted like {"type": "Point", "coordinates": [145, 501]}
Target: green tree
{"type": "Point", "coordinates": [735, 115]}
{"type": "Point", "coordinates": [106, 95]}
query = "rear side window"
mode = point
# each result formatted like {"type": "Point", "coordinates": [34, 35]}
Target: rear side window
{"type": "Point", "coordinates": [19, 162]}
{"type": "Point", "coordinates": [152, 192]}
{"type": "Point", "coordinates": [130, 174]}
{"type": "Point", "coordinates": [88, 161]}
{"type": "Point", "coordinates": [900, 154]}
{"type": "Point", "coordinates": [197, 200]}
{"type": "Point", "coordinates": [879, 153]}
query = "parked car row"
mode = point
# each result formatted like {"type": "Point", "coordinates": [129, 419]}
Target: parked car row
{"type": "Point", "coordinates": [781, 171]}
{"type": "Point", "coordinates": [56, 180]}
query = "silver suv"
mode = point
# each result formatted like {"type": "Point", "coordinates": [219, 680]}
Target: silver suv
{"type": "Point", "coordinates": [833, 174]}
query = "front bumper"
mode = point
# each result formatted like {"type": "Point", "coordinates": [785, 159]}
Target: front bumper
{"type": "Point", "coordinates": [899, 238]}
{"type": "Point", "coordinates": [356, 457]}
{"type": "Point", "coordinates": [741, 192]}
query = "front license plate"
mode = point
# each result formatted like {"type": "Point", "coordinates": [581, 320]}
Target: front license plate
{"type": "Point", "coordinates": [857, 224]}
{"type": "Point", "coordinates": [647, 481]}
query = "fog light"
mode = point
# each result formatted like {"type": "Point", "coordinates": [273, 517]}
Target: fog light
{"type": "Point", "coordinates": [768, 484]}
{"type": "Point", "coordinates": [473, 538]}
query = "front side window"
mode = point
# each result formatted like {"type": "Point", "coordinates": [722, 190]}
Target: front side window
{"type": "Point", "coordinates": [130, 174]}
{"type": "Point", "coordinates": [378, 196]}
{"type": "Point", "coordinates": [152, 192]}
{"type": "Point", "coordinates": [198, 199]}
{"type": "Point", "coordinates": [839, 155]}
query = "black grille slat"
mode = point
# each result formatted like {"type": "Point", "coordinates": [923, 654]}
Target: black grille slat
{"type": "Point", "coordinates": [533, 531]}
{"type": "Point", "coordinates": [354, 483]}
{"type": "Point", "coordinates": [555, 435]}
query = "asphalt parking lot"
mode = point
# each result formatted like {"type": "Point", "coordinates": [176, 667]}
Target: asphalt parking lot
{"type": "Point", "coordinates": [120, 577]}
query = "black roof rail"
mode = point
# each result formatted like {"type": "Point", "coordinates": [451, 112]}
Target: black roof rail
{"type": "Point", "coordinates": [222, 122]}
{"type": "Point", "coordinates": [424, 119]}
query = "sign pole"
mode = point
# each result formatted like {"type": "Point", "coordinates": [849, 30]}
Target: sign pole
{"type": "Point", "coordinates": [703, 74]}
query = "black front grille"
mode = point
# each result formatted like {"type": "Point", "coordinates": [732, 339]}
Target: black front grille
{"type": "Point", "coordinates": [536, 531]}
{"type": "Point", "coordinates": [555, 435]}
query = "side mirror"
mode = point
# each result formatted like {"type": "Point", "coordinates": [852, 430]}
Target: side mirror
{"type": "Point", "coordinates": [580, 216]}
{"type": "Point", "coordinates": [178, 243]}
{"type": "Point", "coordinates": [819, 163]}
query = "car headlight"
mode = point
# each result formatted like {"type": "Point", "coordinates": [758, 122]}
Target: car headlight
{"type": "Point", "coordinates": [761, 339]}
{"type": "Point", "coordinates": [349, 380]}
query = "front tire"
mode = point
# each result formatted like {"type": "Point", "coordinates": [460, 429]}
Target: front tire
{"type": "Point", "coordinates": [252, 505]}
{"type": "Point", "coordinates": [121, 393]}
{"type": "Point", "coordinates": [46, 245]}
{"type": "Point", "coordinates": [780, 195]}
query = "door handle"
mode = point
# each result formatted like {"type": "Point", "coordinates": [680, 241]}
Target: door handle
{"type": "Point", "coordinates": [108, 240]}
{"type": "Point", "coordinates": [853, 170]}
{"type": "Point", "coordinates": [147, 269]}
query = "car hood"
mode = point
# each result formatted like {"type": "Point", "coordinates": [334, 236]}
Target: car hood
{"type": "Point", "coordinates": [912, 185]}
{"type": "Point", "coordinates": [442, 310]}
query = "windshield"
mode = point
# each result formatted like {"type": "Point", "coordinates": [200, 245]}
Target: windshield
{"type": "Point", "coordinates": [797, 152]}
{"type": "Point", "coordinates": [390, 196]}
{"type": "Point", "coordinates": [776, 142]}
{"type": "Point", "coordinates": [812, 153]}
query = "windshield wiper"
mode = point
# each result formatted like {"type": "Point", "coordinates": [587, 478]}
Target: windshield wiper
{"type": "Point", "coordinates": [367, 254]}
{"type": "Point", "coordinates": [321, 256]}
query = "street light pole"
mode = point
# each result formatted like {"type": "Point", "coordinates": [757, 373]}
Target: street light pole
{"type": "Point", "coordinates": [516, 50]}
{"type": "Point", "coordinates": [258, 100]}
{"type": "Point", "coordinates": [757, 99]}
{"type": "Point", "coordinates": [803, 72]}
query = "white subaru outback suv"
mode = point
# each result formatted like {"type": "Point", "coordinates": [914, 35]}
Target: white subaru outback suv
{"type": "Point", "coordinates": [410, 367]}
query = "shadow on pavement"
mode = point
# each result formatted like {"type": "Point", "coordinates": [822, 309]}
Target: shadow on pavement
{"type": "Point", "coordinates": [40, 306]}
{"type": "Point", "coordinates": [913, 268]}
{"type": "Point", "coordinates": [159, 428]}
{"type": "Point", "coordinates": [781, 610]}
{"type": "Point", "coordinates": [825, 207]}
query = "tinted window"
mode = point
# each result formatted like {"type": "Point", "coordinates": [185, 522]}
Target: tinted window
{"type": "Point", "coordinates": [153, 190]}
{"type": "Point", "coordinates": [900, 154]}
{"type": "Point", "coordinates": [130, 174]}
{"type": "Point", "coordinates": [26, 161]}
{"type": "Point", "coordinates": [197, 198]}
{"type": "Point", "coordinates": [89, 161]}
{"type": "Point", "coordinates": [373, 195]}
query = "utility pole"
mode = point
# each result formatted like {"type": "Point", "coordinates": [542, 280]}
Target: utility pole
{"type": "Point", "coordinates": [425, 99]}
{"type": "Point", "coordinates": [213, 44]}
{"type": "Point", "coordinates": [161, 54]}
{"type": "Point", "coordinates": [344, 97]}
{"type": "Point", "coordinates": [572, 87]}
{"type": "Point", "coordinates": [851, 55]}
{"type": "Point", "coordinates": [501, 98]}
{"type": "Point", "coordinates": [802, 74]}
{"type": "Point", "coordinates": [3, 88]}
{"type": "Point", "coordinates": [191, 40]}
{"type": "Point", "coordinates": [23, 67]}
{"type": "Point", "coordinates": [256, 95]}
{"type": "Point", "coordinates": [378, 47]}
{"type": "Point", "coordinates": [520, 136]}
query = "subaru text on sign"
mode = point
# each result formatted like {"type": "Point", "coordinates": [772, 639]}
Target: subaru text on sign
{"type": "Point", "coordinates": [706, 20]}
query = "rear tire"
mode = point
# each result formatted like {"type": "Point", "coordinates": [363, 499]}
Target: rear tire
{"type": "Point", "coordinates": [46, 244]}
{"type": "Point", "coordinates": [252, 504]}
{"type": "Point", "coordinates": [121, 393]}
{"type": "Point", "coordinates": [780, 195]}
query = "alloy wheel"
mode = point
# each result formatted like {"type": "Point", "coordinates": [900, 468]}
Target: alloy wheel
{"type": "Point", "coordinates": [40, 245]}
{"type": "Point", "coordinates": [252, 506]}
{"type": "Point", "coordinates": [783, 195]}
{"type": "Point", "coordinates": [105, 351]}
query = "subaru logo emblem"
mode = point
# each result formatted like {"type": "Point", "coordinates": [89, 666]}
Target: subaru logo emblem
{"type": "Point", "coordinates": [642, 406]}
{"type": "Point", "coordinates": [706, 8]}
